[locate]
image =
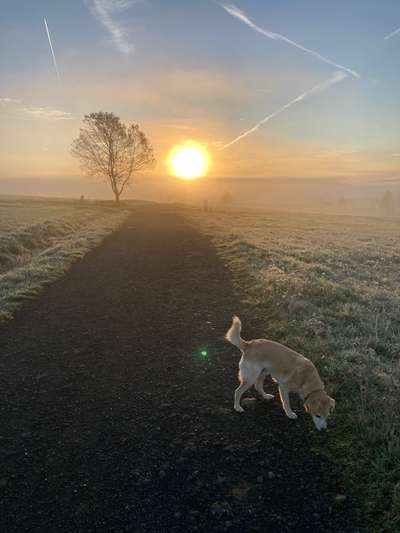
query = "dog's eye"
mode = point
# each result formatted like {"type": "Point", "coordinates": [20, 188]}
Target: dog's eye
{"type": "Point", "coordinates": [318, 416]}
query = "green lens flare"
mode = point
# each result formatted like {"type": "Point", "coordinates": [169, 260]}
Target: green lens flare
{"type": "Point", "coordinates": [204, 353]}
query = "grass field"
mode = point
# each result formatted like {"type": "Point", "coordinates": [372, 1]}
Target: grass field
{"type": "Point", "coordinates": [329, 287]}
{"type": "Point", "coordinates": [39, 240]}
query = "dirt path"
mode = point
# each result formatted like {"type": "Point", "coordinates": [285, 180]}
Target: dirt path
{"type": "Point", "coordinates": [112, 420]}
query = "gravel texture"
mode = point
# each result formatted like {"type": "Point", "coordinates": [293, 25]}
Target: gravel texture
{"type": "Point", "coordinates": [112, 419]}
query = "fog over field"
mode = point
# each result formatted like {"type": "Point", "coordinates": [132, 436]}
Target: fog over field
{"type": "Point", "coordinates": [325, 195]}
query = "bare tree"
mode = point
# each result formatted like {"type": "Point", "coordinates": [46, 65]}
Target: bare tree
{"type": "Point", "coordinates": [108, 149]}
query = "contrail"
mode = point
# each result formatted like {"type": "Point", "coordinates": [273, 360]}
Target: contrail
{"type": "Point", "coordinates": [52, 51]}
{"type": "Point", "coordinates": [103, 11]}
{"type": "Point", "coordinates": [237, 13]}
{"type": "Point", "coordinates": [336, 78]}
{"type": "Point", "coordinates": [395, 32]}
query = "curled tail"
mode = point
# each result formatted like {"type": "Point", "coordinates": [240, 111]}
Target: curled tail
{"type": "Point", "coordinates": [233, 334]}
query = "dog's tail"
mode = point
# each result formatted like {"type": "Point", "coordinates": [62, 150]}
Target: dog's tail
{"type": "Point", "coordinates": [233, 334]}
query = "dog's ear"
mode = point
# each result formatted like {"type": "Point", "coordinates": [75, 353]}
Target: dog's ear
{"type": "Point", "coordinates": [332, 402]}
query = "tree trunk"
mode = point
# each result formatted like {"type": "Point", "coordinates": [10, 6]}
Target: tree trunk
{"type": "Point", "coordinates": [116, 197]}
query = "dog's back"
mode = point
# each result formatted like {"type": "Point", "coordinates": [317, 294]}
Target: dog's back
{"type": "Point", "coordinates": [275, 358]}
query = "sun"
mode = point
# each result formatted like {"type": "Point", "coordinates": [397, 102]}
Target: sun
{"type": "Point", "coordinates": [188, 161]}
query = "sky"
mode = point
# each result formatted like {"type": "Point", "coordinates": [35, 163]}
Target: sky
{"type": "Point", "coordinates": [271, 88]}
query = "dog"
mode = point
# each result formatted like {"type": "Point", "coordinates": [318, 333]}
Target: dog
{"type": "Point", "coordinates": [290, 370]}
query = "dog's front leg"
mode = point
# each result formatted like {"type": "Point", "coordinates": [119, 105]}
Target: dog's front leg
{"type": "Point", "coordinates": [284, 395]}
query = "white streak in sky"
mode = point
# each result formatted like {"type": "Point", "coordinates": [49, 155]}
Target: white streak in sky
{"type": "Point", "coordinates": [103, 10]}
{"type": "Point", "coordinates": [395, 32]}
{"type": "Point", "coordinates": [237, 13]}
{"type": "Point", "coordinates": [52, 50]}
{"type": "Point", "coordinates": [320, 87]}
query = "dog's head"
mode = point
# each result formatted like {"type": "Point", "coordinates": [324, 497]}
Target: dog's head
{"type": "Point", "coordinates": [320, 406]}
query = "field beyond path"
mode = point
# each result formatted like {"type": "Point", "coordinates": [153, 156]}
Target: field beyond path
{"type": "Point", "coordinates": [116, 403]}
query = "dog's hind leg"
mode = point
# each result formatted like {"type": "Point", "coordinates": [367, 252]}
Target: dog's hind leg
{"type": "Point", "coordinates": [247, 377]}
{"type": "Point", "coordinates": [260, 386]}
{"type": "Point", "coordinates": [284, 394]}
{"type": "Point", "coordinates": [243, 387]}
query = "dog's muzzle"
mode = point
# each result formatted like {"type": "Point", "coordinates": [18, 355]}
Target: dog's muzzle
{"type": "Point", "coordinates": [319, 422]}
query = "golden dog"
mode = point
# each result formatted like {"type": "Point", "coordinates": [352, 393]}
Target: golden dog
{"type": "Point", "coordinates": [292, 371]}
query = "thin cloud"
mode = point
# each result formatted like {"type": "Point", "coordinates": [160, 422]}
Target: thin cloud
{"type": "Point", "coordinates": [6, 101]}
{"type": "Point", "coordinates": [395, 32]}
{"type": "Point", "coordinates": [36, 111]}
{"type": "Point", "coordinates": [320, 87]}
{"type": "Point", "coordinates": [237, 13]}
{"type": "Point", "coordinates": [46, 112]}
{"type": "Point", "coordinates": [52, 49]}
{"type": "Point", "coordinates": [104, 11]}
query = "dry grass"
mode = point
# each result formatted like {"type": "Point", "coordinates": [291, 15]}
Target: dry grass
{"type": "Point", "coordinates": [39, 240]}
{"type": "Point", "coordinates": [329, 287]}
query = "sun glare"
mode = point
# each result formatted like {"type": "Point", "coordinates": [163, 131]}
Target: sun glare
{"type": "Point", "coordinates": [189, 161]}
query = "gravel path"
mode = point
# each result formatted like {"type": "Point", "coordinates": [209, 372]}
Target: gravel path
{"type": "Point", "coordinates": [112, 419]}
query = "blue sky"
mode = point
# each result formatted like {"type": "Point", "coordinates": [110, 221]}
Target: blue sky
{"type": "Point", "coordinates": [189, 69]}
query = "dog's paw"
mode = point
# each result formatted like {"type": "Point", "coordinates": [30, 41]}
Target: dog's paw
{"type": "Point", "coordinates": [239, 408]}
{"type": "Point", "coordinates": [292, 415]}
{"type": "Point", "coordinates": [266, 396]}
